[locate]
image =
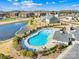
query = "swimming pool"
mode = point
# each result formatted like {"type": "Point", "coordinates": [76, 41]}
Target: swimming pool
{"type": "Point", "coordinates": [41, 38]}
{"type": "Point", "coordinates": [38, 40]}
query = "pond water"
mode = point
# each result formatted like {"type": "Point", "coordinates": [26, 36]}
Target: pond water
{"type": "Point", "coordinates": [8, 31]}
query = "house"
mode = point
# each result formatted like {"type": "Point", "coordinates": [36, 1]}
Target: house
{"type": "Point", "coordinates": [69, 18]}
{"type": "Point", "coordinates": [51, 19]}
{"type": "Point", "coordinates": [11, 14]}
{"type": "Point", "coordinates": [25, 14]}
{"type": "Point", "coordinates": [2, 15]}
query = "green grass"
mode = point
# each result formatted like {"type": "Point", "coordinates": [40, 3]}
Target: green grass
{"type": "Point", "coordinates": [7, 19]}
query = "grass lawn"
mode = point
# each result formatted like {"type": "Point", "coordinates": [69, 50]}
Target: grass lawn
{"type": "Point", "coordinates": [7, 19]}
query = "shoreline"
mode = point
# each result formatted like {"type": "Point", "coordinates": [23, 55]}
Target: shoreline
{"type": "Point", "coordinates": [5, 47]}
{"type": "Point", "coordinates": [7, 40]}
{"type": "Point", "coordinates": [14, 21]}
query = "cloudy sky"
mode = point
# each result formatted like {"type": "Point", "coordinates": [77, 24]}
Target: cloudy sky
{"type": "Point", "coordinates": [39, 4]}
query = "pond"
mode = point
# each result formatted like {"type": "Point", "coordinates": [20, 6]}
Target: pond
{"type": "Point", "coordinates": [8, 31]}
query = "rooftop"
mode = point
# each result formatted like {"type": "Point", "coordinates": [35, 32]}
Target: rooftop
{"type": "Point", "coordinates": [72, 53]}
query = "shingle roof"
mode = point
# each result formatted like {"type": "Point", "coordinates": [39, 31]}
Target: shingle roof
{"type": "Point", "coordinates": [48, 16]}
{"type": "Point", "coordinates": [73, 53]}
{"type": "Point", "coordinates": [52, 19]}
{"type": "Point", "coordinates": [76, 33]}
{"type": "Point", "coordinates": [59, 36]}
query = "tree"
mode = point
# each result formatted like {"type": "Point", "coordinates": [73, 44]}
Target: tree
{"type": "Point", "coordinates": [29, 53]}
{"type": "Point", "coordinates": [70, 41]}
{"type": "Point", "coordinates": [23, 52]}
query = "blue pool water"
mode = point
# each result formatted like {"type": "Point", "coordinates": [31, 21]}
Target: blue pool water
{"type": "Point", "coordinates": [41, 38]}
{"type": "Point", "coordinates": [7, 31]}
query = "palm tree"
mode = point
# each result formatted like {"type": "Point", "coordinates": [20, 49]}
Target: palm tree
{"type": "Point", "coordinates": [70, 41]}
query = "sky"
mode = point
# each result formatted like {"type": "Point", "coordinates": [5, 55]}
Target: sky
{"type": "Point", "coordinates": [39, 5]}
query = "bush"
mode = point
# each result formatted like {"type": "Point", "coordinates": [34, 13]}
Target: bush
{"type": "Point", "coordinates": [53, 48]}
{"type": "Point", "coordinates": [26, 53]}
{"type": "Point", "coordinates": [63, 46]}
{"type": "Point", "coordinates": [15, 42]}
{"type": "Point", "coordinates": [23, 52]}
{"type": "Point", "coordinates": [2, 56]}
{"type": "Point", "coordinates": [29, 53]}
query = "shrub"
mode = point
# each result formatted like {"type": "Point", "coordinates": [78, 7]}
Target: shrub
{"type": "Point", "coordinates": [53, 48]}
{"type": "Point", "coordinates": [26, 53]}
{"type": "Point", "coordinates": [23, 52]}
{"type": "Point", "coordinates": [15, 42]}
{"type": "Point", "coordinates": [29, 53]}
{"type": "Point", "coordinates": [63, 46]}
{"type": "Point", "coordinates": [2, 56]}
